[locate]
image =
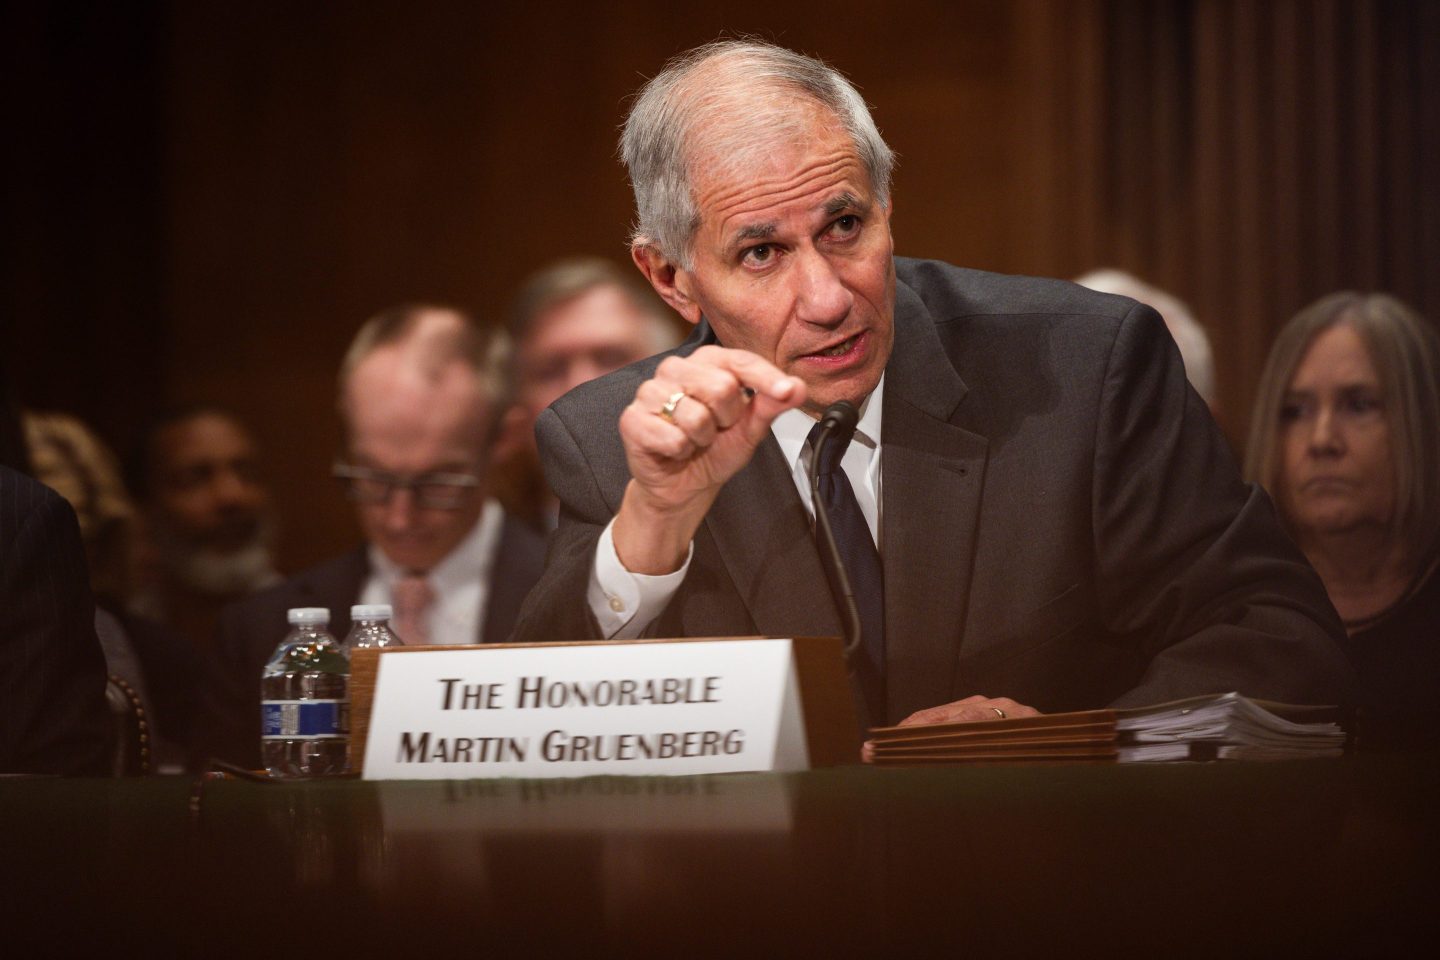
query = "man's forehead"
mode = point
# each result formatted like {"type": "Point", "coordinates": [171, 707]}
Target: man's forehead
{"type": "Point", "coordinates": [413, 411]}
{"type": "Point", "coordinates": [740, 164]}
{"type": "Point", "coordinates": [754, 211]}
{"type": "Point", "coordinates": [200, 436]}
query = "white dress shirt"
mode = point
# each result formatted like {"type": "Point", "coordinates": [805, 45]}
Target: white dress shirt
{"type": "Point", "coordinates": [461, 580]}
{"type": "Point", "coordinates": [625, 603]}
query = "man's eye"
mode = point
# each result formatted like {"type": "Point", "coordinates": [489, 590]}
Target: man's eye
{"type": "Point", "coordinates": [761, 253]}
{"type": "Point", "coordinates": [846, 224]}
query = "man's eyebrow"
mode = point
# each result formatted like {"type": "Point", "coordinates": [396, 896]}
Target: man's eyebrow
{"type": "Point", "coordinates": [755, 231]}
{"type": "Point", "coordinates": [764, 231]}
{"type": "Point", "coordinates": [846, 201]}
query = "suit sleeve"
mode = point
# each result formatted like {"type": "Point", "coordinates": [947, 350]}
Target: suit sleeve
{"type": "Point", "coordinates": [557, 609]}
{"type": "Point", "coordinates": [1193, 563]}
{"type": "Point", "coordinates": [53, 713]}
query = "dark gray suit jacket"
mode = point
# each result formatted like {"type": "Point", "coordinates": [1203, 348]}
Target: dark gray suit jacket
{"type": "Point", "coordinates": [53, 714]}
{"type": "Point", "coordinates": [1062, 521]}
{"type": "Point", "coordinates": [250, 630]}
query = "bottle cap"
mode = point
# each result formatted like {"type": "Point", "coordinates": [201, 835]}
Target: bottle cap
{"type": "Point", "coordinates": [371, 611]}
{"type": "Point", "coordinates": [298, 615]}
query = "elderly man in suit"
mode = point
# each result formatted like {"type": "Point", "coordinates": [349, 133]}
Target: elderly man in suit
{"type": "Point", "coordinates": [1038, 513]}
{"type": "Point", "coordinates": [421, 396]}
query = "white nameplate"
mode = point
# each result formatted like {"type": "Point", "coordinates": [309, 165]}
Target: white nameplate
{"type": "Point", "coordinates": [684, 707]}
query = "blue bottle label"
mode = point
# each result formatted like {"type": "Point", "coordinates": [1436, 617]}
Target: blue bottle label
{"type": "Point", "coordinates": [287, 719]}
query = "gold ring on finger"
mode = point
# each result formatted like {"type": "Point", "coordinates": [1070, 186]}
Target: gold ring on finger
{"type": "Point", "coordinates": [998, 712]}
{"type": "Point", "coordinates": [667, 409]}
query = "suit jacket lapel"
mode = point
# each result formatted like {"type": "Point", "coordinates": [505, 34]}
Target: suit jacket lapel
{"type": "Point", "coordinates": [933, 473]}
{"type": "Point", "coordinates": [763, 534]}
{"type": "Point", "coordinates": [516, 567]}
{"type": "Point", "coordinates": [931, 484]}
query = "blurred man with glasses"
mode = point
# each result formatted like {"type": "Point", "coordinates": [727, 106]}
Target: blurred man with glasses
{"type": "Point", "coordinates": [422, 392]}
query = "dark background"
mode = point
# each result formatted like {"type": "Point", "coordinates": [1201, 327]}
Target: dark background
{"type": "Point", "coordinates": [202, 200]}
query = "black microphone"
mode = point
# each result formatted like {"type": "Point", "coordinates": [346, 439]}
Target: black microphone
{"type": "Point", "coordinates": [838, 423]}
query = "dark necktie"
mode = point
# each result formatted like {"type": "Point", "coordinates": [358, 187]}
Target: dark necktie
{"type": "Point", "coordinates": [862, 564]}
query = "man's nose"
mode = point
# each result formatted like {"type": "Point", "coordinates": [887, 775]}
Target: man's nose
{"type": "Point", "coordinates": [821, 296]}
{"type": "Point", "coordinates": [233, 490]}
{"type": "Point", "coordinates": [400, 509]}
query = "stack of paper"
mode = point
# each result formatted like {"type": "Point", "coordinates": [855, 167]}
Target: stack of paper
{"type": "Point", "coordinates": [1224, 727]}
{"type": "Point", "coordinates": [1229, 727]}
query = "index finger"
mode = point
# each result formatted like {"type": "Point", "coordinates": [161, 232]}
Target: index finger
{"type": "Point", "coordinates": [753, 371]}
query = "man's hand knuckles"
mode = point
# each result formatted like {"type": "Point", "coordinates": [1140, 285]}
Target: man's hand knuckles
{"type": "Point", "coordinates": [671, 368]}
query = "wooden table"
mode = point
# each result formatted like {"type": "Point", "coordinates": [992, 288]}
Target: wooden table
{"type": "Point", "coordinates": [1308, 858]}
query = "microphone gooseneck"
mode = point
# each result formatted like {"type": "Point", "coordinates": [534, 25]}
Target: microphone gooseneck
{"type": "Point", "coordinates": [838, 423]}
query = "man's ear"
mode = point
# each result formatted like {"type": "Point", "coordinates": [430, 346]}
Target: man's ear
{"type": "Point", "coordinates": [664, 275]}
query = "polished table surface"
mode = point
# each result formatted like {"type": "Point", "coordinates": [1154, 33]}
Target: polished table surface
{"type": "Point", "coordinates": [1316, 858]}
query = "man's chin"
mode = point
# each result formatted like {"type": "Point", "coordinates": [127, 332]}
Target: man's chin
{"type": "Point", "coordinates": [231, 574]}
{"type": "Point", "coordinates": [820, 396]}
{"type": "Point", "coordinates": [412, 557]}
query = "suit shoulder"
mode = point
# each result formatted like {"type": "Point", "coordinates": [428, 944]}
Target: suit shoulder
{"type": "Point", "coordinates": [952, 293]}
{"type": "Point", "coordinates": [521, 544]}
{"type": "Point", "coordinates": [614, 391]}
{"type": "Point", "coordinates": [608, 393]}
{"type": "Point", "coordinates": [334, 582]}
{"type": "Point", "coordinates": [25, 500]}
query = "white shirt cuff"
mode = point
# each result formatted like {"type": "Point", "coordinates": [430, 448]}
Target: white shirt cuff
{"type": "Point", "coordinates": [625, 603]}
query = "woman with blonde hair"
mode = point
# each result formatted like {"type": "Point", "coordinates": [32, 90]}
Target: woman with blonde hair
{"type": "Point", "coordinates": [1346, 437]}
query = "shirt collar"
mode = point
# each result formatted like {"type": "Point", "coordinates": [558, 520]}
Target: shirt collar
{"type": "Point", "coordinates": [792, 428]}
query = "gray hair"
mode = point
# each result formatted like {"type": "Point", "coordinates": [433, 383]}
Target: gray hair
{"type": "Point", "coordinates": [566, 280]}
{"type": "Point", "coordinates": [1405, 351]}
{"type": "Point", "coordinates": [763, 93]}
{"type": "Point", "coordinates": [1187, 332]}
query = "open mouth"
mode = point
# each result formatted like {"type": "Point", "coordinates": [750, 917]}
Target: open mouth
{"type": "Point", "coordinates": [840, 350]}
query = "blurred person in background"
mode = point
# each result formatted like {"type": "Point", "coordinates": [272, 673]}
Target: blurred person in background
{"type": "Point", "coordinates": [159, 664]}
{"type": "Point", "coordinates": [1184, 329]}
{"type": "Point", "coordinates": [206, 509]}
{"type": "Point", "coordinates": [572, 321]}
{"type": "Point", "coordinates": [69, 458]}
{"type": "Point", "coordinates": [53, 713]}
{"type": "Point", "coordinates": [1346, 437]}
{"type": "Point", "coordinates": [422, 392]}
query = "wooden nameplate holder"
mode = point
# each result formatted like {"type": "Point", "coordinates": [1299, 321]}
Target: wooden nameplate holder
{"type": "Point", "coordinates": [818, 673]}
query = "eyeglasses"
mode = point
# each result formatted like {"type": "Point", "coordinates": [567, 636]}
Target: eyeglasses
{"type": "Point", "coordinates": [432, 491]}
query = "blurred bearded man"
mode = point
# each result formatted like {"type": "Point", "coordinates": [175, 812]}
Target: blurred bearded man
{"type": "Point", "coordinates": [206, 509]}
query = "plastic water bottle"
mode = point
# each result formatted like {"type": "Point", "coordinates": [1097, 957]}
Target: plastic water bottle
{"type": "Point", "coordinates": [304, 700]}
{"type": "Point", "coordinates": [371, 628]}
